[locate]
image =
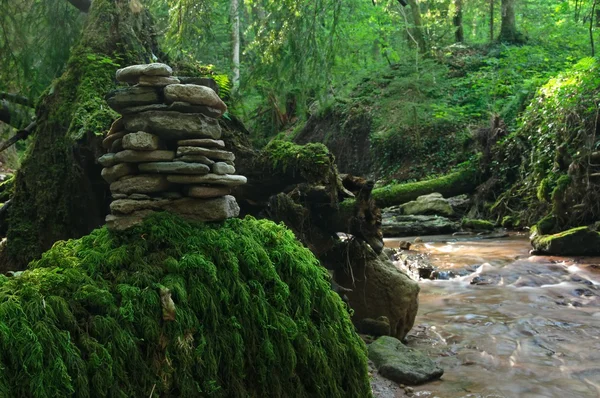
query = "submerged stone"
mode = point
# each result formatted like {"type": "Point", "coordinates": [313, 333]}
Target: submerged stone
{"type": "Point", "coordinates": [402, 364]}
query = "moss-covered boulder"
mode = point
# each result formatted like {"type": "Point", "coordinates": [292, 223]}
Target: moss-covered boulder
{"type": "Point", "coordinates": [580, 241]}
{"type": "Point", "coordinates": [171, 308]}
{"type": "Point", "coordinates": [433, 203]}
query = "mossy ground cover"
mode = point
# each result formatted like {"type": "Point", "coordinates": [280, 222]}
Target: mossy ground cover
{"type": "Point", "coordinates": [254, 317]}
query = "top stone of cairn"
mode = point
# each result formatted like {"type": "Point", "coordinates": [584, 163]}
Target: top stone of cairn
{"type": "Point", "coordinates": [131, 74]}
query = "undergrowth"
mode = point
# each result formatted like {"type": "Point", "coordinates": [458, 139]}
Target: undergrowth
{"type": "Point", "coordinates": [254, 316]}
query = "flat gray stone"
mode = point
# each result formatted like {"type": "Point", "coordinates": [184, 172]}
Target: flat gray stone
{"type": "Point", "coordinates": [207, 192]}
{"type": "Point", "coordinates": [131, 74]}
{"type": "Point", "coordinates": [174, 125]}
{"type": "Point", "coordinates": [143, 108]}
{"type": "Point", "coordinates": [110, 139]}
{"type": "Point", "coordinates": [157, 81]}
{"type": "Point", "coordinates": [402, 364]}
{"type": "Point", "coordinates": [170, 195]}
{"type": "Point", "coordinates": [215, 154]}
{"type": "Point", "coordinates": [215, 179]}
{"type": "Point", "coordinates": [174, 168]}
{"type": "Point", "coordinates": [112, 174]}
{"type": "Point", "coordinates": [205, 209]}
{"type": "Point", "coordinates": [139, 196]}
{"type": "Point", "coordinates": [117, 196]}
{"type": "Point", "coordinates": [128, 206]}
{"type": "Point", "coordinates": [116, 126]}
{"type": "Point", "coordinates": [196, 159]}
{"type": "Point", "coordinates": [130, 156]}
{"type": "Point", "coordinates": [393, 225]}
{"type": "Point", "coordinates": [195, 95]}
{"type": "Point", "coordinates": [202, 142]}
{"type": "Point", "coordinates": [185, 107]}
{"type": "Point", "coordinates": [123, 222]}
{"type": "Point", "coordinates": [148, 183]}
{"type": "Point", "coordinates": [132, 96]}
{"type": "Point", "coordinates": [117, 146]}
{"type": "Point", "coordinates": [141, 141]}
{"type": "Point", "coordinates": [223, 168]}
{"type": "Point", "coordinates": [107, 160]}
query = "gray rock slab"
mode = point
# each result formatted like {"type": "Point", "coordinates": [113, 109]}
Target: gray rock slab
{"type": "Point", "coordinates": [204, 192]}
{"type": "Point", "coordinates": [427, 205]}
{"type": "Point", "coordinates": [141, 141]}
{"type": "Point", "coordinates": [128, 206]}
{"type": "Point", "coordinates": [122, 222]}
{"type": "Point", "coordinates": [132, 96]}
{"type": "Point", "coordinates": [107, 160]}
{"type": "Point", "coordinates": [139, 196]}
{"type": "Point", "coordinates": [148, 183]}
{"type": "Point", "coordinates": [399, 225]}
{"type": "Point", "coordinates": [215, 154]}
{"type": "Point", "coordinates": [213, 179]}
{"type": "Point", "coordinates": [130, 156]}
{"type": "Point", "coordinates": [205, 209]}
{"type": "Point", "coordinates": [144, 108]}
{"type": "Point", "coordinates": [110, 139]}
{"type": "Point", "coordinates": [174, 168]}
{"type": "Point", "coordinates": [112, 174]}
{"type": "Point", "coordinates": [201, 81]}
{"type": "Point", "coordinates": [223, 168]}
{"type": "Point", "coordinates": [174, 125]}
{"type": "Point", "coordinates": [157, 81]}
{"type": "Point", "coordinates": [186, 107]}
{"type": "Point", "coordinates": [196, 159]}
{"type": "Point", "coordinates": [195, 95]}
{"type": "Point", "coordinates": [402, 364]}
{"type": "Point", "coordinates": [131, 74]}
{"type": "Point", "coordinates": [202, 142]}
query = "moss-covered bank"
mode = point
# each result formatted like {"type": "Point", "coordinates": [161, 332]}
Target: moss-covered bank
{"type": "Point", "coordinates": [254, 316]}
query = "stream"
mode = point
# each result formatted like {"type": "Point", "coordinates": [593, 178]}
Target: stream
{"type": "Point", "coordinates": [529, 327]}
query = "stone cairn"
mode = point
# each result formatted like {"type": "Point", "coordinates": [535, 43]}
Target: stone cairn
{"type": "Point", "coordinates": [164, 153]}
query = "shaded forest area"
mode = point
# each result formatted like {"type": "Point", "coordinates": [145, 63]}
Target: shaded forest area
{"type": "Point", "coordinates": [336, 111]}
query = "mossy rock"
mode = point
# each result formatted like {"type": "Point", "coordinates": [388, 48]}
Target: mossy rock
{"type": "Point", "coordinates": [477, 225]}
{"type": "Point", "coordinates": [581, 241]}
{"type": "Point", "coordinates": [171, 308]}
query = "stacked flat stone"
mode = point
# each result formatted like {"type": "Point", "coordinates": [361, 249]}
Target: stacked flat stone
{"type": "Point", "coordinates": [165, 152]}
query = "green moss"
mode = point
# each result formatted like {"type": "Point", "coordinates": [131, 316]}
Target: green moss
{"type": "Point", "coordinates": [254, 317]}
{"type": "Point", "coordinates": [508, 222]}
{"type": "Point", "coordinates": [313, 161]}
{"type": "Point", "coordinates": [573, 242]}
{"type": "Point", "coordinates": [478, 225]}
{"type": "Point", "coordinates": [457, 183]}
{"type": "Point", "coordinates": [7, 188]}
{"type": "Point", "coordinates": [547, 225]}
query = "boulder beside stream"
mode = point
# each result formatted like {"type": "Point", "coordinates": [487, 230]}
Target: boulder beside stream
{"type": "Point", "coordinates": [579, 241]}
{"type": "Point", "coordinates": [402, 364]}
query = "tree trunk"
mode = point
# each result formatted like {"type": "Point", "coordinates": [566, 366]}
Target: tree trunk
{"type": "Point", "coordinates": [508, 27]}
{"type": "Point", "coordinates": [235, 39]}
{"type": "Point", "coordinates": [59, 193]}
{"type": "Point", "coordinates": [459, 34]}
{"type": "Point", "coordinates": [417, 31]}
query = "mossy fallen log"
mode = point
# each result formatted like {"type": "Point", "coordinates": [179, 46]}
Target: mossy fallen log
{"type": "Point", "coordinates": [254, 316]}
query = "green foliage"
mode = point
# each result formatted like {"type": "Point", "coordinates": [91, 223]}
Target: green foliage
{"type": "Point", "coordinates": [313, 161]}
{"type": "Point", "coordinates": [7, 188]}
{"type": "Point", "coordinates": [254, 316]}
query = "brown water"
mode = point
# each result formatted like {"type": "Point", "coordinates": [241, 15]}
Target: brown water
{"type": "Point", "coordinates": [532, 331]}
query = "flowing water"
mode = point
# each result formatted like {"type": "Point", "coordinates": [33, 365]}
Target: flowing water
{"type": "Point", "coordinates": [530, 327]}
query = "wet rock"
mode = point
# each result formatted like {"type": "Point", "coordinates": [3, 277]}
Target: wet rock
{"type": "Point", "coordinates": [132, 96]}
{"type": "Point", "coordinates": [131, 74]}
{"type": "Point", "coordinates": [226, 180]}
{"type": "Point", "coordinates": [215, 154]}
{"type": "Point", "coordinates": [574, 242]}
{"type": "Point", "coordinates": [141, 141]}
{"type": "Point", "coordinates": [112, 174]}
{"type": "Point", "coordinates": [174, 125]}
{"type": "Point", "coordinates": [375, 327]}
{"type": "Point", "coordinates": [195, 95]}
{"type": "Point", "coordinates": [223, 168]}
{"type": "Point", "coordinates": [401, 225]}
{"type": "Point", "coordinates": [174, 168]}
{"type": "Point", "coordinates": [402, 364]}
{"type": "Point", "coordinates": [432, 204]}
{"type": "Point", "coordinates": [141, 184]}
